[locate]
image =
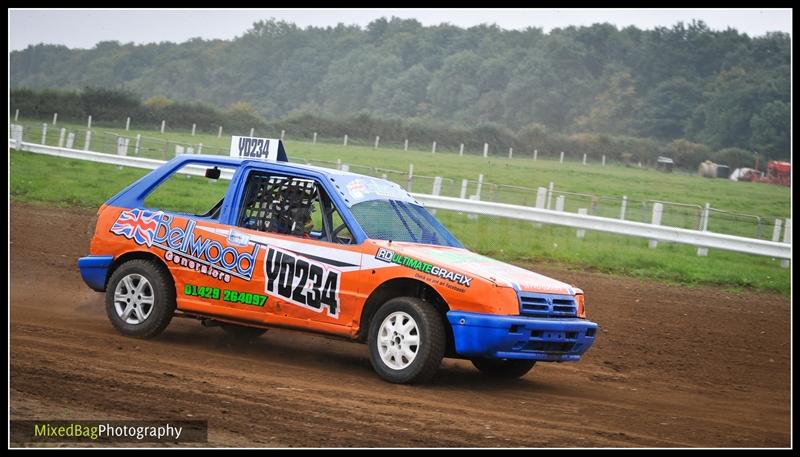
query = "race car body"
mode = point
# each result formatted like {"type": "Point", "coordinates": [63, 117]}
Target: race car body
{"type": "Point", "coordinates": [327, 251]}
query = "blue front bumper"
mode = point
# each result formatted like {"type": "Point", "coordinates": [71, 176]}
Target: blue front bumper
{"type": "Point", "coordinates": [519, 337]}
{"type": "Point", "coordinates": [94, 270]}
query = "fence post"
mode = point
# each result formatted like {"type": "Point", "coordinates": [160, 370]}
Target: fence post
{"type": "Point", "coordinates": [787, 238]}
{"type": "Point", "coordinates": [461, 149]}
{"type": "Point", "coordinates": [200, 148]}
{"type": "Point", "coordinates": [61, 137]}
{"type": "Point", "coordinates": [623, 206]}
{"type": "Point", "coordinates": [560, 203]}
{"type": "Point", "coordinates": [703, 252]}
{"type": "Point", "coordinates": [535, 153]}
{"type": "Point", "coordinates": [437, 189]}
{"type": "Point", "coordinates": [486, 149]}
{"type": "Point", "coordinates": [283, 134]}
{"type": "Point", "coordinates": [122, 147]}
{"type": "Point", "coordinates": [604, 160]}
{"type": "Point", "coordinates": [480, 184]}
{"type": "Point", "coordinates": [314, 141]}
{"type": "Point", "coordinates": [252, 131]}
{"type": "Point", "coordinates": [776, 230]}
{"type": "Point", "coordinates": [541, 197]}
{"type": "Point", "coordinates": [658, 208]}
{"type": "Point", "coordinates": [44, 133]}
{"type": "Point", "coordinates": [194, 128]}
{"type": "Point", "coordinates": [70, 140]}
{"type": "Point", "coordinates": [219, 133]}
{"type": "Point", "coordinates": [89, 123]}
{"type": "Point", "coordinates": [338, 164]}
{"type": "Point", "coordinates": [16, 135]}
{"type": "Point", "coordinates": [561, 159]}
{"type": "Point", "coordinates": [88, 140]}
{"type": "Point", "coordinates": [581, 232]}
{"type": "Point", "coordinates": [128, 124]}
{"type": "Point", "coordinates": [138, 140]}
{"type": "Point", "coordinates": [410, 176]}
{"type": "Point", "coordinates": [377, 141]}
{"type": "Point", "coordinates": [584, 158]}
{"type": "Point", "coordinates": [549, 194]}
{"type": "Point", "coordinates": [433, 149]}
{"type": "Point", "coordinates": [405, 145]}
{"type": "Point", "coordinates": [55, 119]}
{"type": "Point", "coordinates": [163, 124]}
{"type": "Point", "coordinates": [464, 184]}
{"type": "Point", "coordinates": [16, 115]}
{"type": "Point", "coordinates": [345, 139]}
{"type": "Point", "coordinates": [510, 152]}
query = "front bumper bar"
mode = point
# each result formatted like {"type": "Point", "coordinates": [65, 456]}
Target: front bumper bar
{"type": "Point", "coordinates": [520, 337]}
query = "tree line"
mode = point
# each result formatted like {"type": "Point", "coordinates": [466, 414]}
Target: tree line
{"type": "Point", "coordinates": [686, 82]}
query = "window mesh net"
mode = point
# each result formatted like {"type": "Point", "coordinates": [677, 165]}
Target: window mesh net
{"type": "Point", "coordinates": [279, 204]}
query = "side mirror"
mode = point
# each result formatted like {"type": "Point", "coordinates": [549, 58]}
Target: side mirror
{"type": "Point", "coordinates": [213, 173]}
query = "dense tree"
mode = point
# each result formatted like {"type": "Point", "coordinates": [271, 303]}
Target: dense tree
{"type": "Point", "coordinates": [722, 88]}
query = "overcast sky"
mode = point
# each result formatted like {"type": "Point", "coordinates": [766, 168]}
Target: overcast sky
{"type": "Point", "coordinates": [85, 28]}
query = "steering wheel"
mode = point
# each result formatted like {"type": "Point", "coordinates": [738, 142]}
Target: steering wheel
{"type": "Point", "coordinates": [335, 234]}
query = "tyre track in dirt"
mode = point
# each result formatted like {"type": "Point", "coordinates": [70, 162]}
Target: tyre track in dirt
{"type": "Point", "coordinates": [673, 366]}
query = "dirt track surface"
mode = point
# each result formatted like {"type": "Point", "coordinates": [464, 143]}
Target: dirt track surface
{"type": "Point", "coordinates": [672, 366]}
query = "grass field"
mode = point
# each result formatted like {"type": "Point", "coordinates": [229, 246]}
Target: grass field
{"type": "Point", "coordinates": [63, 182]}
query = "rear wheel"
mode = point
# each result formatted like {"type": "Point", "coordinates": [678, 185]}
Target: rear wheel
{"type": "Point", "coordinates": [140, 298]}
{"type": "Point", "coordinates": [504, 368]}
{"type": "Point", "coordinates": [406, 341]}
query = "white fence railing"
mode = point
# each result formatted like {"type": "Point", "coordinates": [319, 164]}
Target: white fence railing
{"type": "Point", "coordinates": [580, 221]}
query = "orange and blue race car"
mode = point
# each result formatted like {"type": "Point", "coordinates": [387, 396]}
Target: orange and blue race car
{"type": "Point", "coordinates": [326, 251]}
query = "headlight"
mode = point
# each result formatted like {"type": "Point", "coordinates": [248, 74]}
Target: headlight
{"type": "Point", "coordinates": [581, 309]}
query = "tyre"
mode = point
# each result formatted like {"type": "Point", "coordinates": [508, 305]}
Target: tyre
{"type": "Point", "coordinates": [140, 298]}
{"type": "Point", "coordinates": [241, 333]}
{"type": "Point", "coordinates": [406, 341]}
{"type": "Point", "coordinates": [504, 368]}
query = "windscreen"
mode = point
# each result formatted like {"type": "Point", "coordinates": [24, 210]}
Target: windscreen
{"type": "Point", "coordinates": [401, 221]}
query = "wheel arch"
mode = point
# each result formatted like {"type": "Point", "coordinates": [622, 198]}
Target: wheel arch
{"type": "Point", "coordinates": [140, 255]}
{"type": "Point", "coordinates": [403, 287]}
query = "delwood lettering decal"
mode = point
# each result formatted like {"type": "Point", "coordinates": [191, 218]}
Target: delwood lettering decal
{"type": "Point", "coordinates": [183, 246]}
{"type": "Point", "coordinates": [388, 256]}
{"type": "Point", "coordinates": [302, 281]}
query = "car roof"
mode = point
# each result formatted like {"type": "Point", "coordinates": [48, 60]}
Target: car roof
{"type": "Point", "coordinates": [358, 193]}
{"type": "Point", "coordinates": [264, 164]}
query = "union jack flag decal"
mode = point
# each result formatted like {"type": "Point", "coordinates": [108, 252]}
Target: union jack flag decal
{"type": "Point", "coordinates": [138, 224]}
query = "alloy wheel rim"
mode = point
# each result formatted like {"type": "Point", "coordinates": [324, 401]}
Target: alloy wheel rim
{"type": "Point", "coordinates": [398, 340]}
{"type": "Point", "coordinates": [134, 299]}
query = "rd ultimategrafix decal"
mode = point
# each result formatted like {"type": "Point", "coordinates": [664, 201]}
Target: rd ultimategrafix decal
{"type": "Point", "coordinates": [386, 255]}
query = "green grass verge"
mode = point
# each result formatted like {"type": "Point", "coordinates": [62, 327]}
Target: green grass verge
{"type": "Point", "coordinates": [65, 183]}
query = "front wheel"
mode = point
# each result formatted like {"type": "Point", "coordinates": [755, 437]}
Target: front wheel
{"type": "Point", "coordinates": [140, 298]}
{"type": "Point", "coordinates": [406, 341]}
{"type": "Point", "coordinates": [504, 368]}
